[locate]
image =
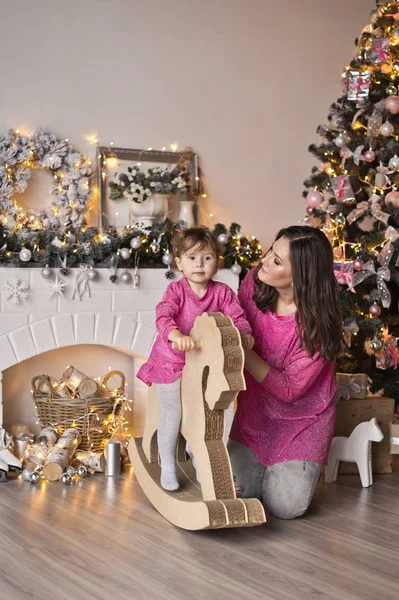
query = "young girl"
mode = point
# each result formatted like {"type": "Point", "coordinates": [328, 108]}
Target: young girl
{"type": "Point", "coordinates": [196, 253]}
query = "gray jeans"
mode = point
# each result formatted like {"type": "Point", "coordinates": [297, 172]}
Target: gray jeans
{"type": "Point", "coordinates": [285, 489]}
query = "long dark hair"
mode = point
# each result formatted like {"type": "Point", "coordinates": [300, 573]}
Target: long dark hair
{"type": "Point", "coordinates": [315, 288]}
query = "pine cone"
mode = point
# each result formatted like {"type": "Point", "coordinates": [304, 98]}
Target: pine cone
{"type": "Point", "coordinates": [113, 278]}
{"type": "Point", "coordinates": [169, 274]}
{"type": "Point", "coordinates": [65, 271]}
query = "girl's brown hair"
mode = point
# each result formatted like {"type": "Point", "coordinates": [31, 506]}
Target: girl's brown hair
{"type": "Point", "coordinates": [316, 294]}
{"type": "Point", "coordinates": [194, 236]}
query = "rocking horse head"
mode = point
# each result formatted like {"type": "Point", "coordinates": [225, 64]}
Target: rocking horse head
{"type": "Point", "coordinates": [217, 362]}
{"type": "Point", "coordinates": [368, 430]}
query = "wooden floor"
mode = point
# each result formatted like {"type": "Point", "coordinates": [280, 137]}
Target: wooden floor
{"type": "Point", "coordinates": [101, 539]}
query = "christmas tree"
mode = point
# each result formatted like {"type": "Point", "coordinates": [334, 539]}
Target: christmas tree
{"type": "Point", "coordinates": [353, 196]}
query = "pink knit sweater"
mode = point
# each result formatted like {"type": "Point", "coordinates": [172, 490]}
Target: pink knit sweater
{"type": "Point", "coordinates": [290, 415]}
{"type": "Point", "coordinates": [177, 310]}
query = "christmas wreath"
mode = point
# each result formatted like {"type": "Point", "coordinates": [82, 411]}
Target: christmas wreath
{"type": "Point", "coordinates": [71, 189]}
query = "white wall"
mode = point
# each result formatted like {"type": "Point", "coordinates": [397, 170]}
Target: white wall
{"type": "Point", "coordinates": [244, 83]}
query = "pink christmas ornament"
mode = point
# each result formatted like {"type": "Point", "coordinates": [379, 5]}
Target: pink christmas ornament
{"type": "Point", "coordinates": [391, 104]}
{"type": "Point", "coordinates": [309, 210]}
{"type": "Point", "coordinates": [358, 264]}
{"type": "Point", "coordinates": [392, 198]}
{"type": "Point", "coordinates": [369, 156]}
{"type": "Point", "coordinates": [375, 310]}
{"type": "Point", "coordinates": [314, 198]}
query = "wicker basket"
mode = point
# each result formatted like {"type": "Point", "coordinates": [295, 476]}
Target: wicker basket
{"type": "Point", "coordinates": [84, 414]}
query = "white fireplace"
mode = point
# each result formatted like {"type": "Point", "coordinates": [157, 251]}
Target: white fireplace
{"type": "Point", "coordinates": [114, 316]}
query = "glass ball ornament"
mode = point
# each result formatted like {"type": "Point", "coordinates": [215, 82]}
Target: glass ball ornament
{"type": "Point", "coordinates": [26, 473]}
{"type": "Point", "coordinates": [341, 140]}
{"type": "Point", "coordinates": [309, 210]}
{"type": "Point", "coordinates": [236, 268]}
{"type": "Point", "coordinates": [167, 258]}
{"type": "Point", "coordinates": [392, 198]}
{"type": "Point", "coordinates": [81, 471]}
{"type": "Point", "coordinates": [391, 90]}
{"type": "Point", "coordinates": [375, 343]}
{"type": "Point", "coordinates": [223, 238]}
{"type": "Point", "coordinates": [70, 470]}
{"type": "Point", "coordinates": [125, 277]}
{"type": "Point", "coordinates": [125, 253]}
{"type": "Point", "coordinates": [155, 247]}
{"type": "Point", "coordinates": [375, 310]}
{"type": "Point", "coordinates": [358, 264]}
{"type": "Point", "coordinates": [66, 478]}
{"type": "Point", "coordinates": [394, 162]}
{"type": "Point", "coordinates": [34, 477]}
{"type": "Point", "coordinates": [369, 156]}
{"type": "Point", "coordinates": [46, 272]}
{"type": "Point", "coordinates": [391, 104]}
{"type": "Point", "coordinates": [92, 274]}
{"type": "Point", "coordinates": [340, 219]}
{"type": "Point", "coordinates": [314, 198]}
{"type": "Point", "coordinates": [386, 129]}
{"type": "Point", "coordinates": [136, 243]}
{"type": "Point", "coordinates": [25, 255]}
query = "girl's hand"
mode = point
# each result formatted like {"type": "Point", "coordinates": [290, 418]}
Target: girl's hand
{"type": "Point", "coordinates": [247, 341]}
{"type": "Point", "coordinates": [183, 343]}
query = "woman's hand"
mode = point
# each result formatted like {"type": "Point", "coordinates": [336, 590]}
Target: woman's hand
{"type": "Point", "coordinates": [247, 341]}
{"type": "Point", "coordinates": [256, 366]}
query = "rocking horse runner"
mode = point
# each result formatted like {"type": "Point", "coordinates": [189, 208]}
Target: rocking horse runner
{"type": "Point", "coordinates": [212, 377]}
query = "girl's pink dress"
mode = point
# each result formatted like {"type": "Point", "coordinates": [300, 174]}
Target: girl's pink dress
{"type": "Point", "coordinates": [290, 415]}
{"type": "Point", "coordinates": [177, 310]}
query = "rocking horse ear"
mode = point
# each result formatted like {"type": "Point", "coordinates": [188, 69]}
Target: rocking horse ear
{"type": "Point", "coordinates": [373, 421]}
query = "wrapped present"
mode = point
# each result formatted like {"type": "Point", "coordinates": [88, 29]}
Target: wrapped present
{"type": "Point", "coordinates": [380, 50]}
{"type": "Point", "coordinates": [359, 86]}
{"type": "Point", "coordinates": [394, 436]}
{"type": "Point", "coordinates": [343, 271]}
{"type": "Point", "coordinates": [354, 411]}
{"type": "Point", "coordinates": [352, 385]}
{"type": "Point", "coordinates": [342, 189]}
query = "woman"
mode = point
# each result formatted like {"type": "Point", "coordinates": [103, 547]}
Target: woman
{"type": "Point", "coordinates": [285, 419]}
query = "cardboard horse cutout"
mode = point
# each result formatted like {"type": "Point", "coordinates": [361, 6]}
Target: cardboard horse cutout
{"type": "Point", "coordinates": [211, 380]}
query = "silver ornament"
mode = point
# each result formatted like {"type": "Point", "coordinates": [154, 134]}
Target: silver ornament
{"type": "Point", "coordinates": [46, 272]}
{"type": "Point", "coordinates": [126, 277]}
{"type": "Point", "coordinates": [81, 471]}
{"type": "Point", "coordinates": [341, 140]}
{"type": "Point", "coordinates": [236, 269]}
{"type": "Point", "coordinates": [26, 473]}
{"type": "Point", "coordinates": [223, 238]}
{"type": "Point", "coordinates": [340, 219]}
{"type": "Point", "coordinates": [392, 90]}
{"type": "Point", "coordinates": [155, 247]}
{"type": "Point", "coordinates": [375, 343]}
{"type": "Point", "coordinates": [167, 258]}
{"type": "Point", "coordinates": [125, 253]}
{"type": "Point", "coordinates": [70, 470]}
{"type": "Point", "coordinates": [386, 129]}
{"type": "Point", "coordinates": [135, 243]}
{"type": "Point", "coordinates": [34, 477]}
{"type": "Point", "coordinates": [92, 274]}
{"type": "Point", "coordinates": [394, 162]}
{"type": "Point", "coordinates": [25, 255]}
{"type": "Point", "coordinates": [66, 478]}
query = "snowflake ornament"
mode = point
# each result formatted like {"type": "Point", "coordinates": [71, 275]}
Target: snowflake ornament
{"type": "Point", "coordinates": [16, 290]}
{"type": "Point", "coordinates": [57, 287]}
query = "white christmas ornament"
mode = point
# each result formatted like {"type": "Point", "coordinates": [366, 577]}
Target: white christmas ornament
{"type": "Point", "coordinates": [126, 277]}
{"type": "Point", "coordinates": [135, 243]}
{"type": "Point", "coordinates": [125, 253]}
{"type": "Point", "coordinates": [92, 274]}
{"type": "Point", "coordinates": [223, 238]}
{"type": "Point", "coordinates": [386, 129]}
{"type": "Point", "coordinates": [394, 162]}
{"type": "Point", "coordinates": [25, 255]}
{"type": "Point", "coordinates": [16, 290]}
{"type": "Point", "coordinates": [57, 287]}
{"type": "Point", "coordinates": [82, 283]}
{"type": "Point", "coordinates": [46, 272]}
{"type": "Point", "coordinates": [56, 242]}
{"type": "Point", "coordinates": [167, 258]}
{"type": "Point", "coordinates": [236, 268]}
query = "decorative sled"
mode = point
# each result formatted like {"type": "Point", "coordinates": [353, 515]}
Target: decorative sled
{"type": "Point", "coordinates": [211, 380]}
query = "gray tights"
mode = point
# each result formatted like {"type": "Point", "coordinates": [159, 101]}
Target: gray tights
{"type": "Point", "coordinates": [286, 488]}
{"type": "Point", "coordinates": [168, 431]}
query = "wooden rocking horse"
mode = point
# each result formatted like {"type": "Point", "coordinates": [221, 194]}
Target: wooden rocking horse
{"type": "Point", "coordinates": [211, 380]}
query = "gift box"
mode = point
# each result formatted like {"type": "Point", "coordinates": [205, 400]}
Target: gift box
{"type": "Point", "coordinates": [380, 50]}
{"type": "Point", "coordinates": [354, 411]}
{"type": "Point", "coordinates": [342, 189]}
{"type": "Point", "coordinates": [343, 271]}
{"type": "Point", "coordinates": [352, 385]}
{"type": "Point", "coordinates": [394, 436]}
{"type": "Point", "coordinates": [359, 86]}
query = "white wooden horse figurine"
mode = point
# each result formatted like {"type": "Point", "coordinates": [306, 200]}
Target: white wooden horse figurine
{"type": "Point", "coordinates": [356, 448]}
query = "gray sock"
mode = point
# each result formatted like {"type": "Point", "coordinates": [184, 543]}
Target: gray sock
{"type": "Point", "coordinates": [168, 431]}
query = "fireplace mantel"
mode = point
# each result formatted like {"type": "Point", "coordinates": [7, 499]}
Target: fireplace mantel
{"type": "Point", "coordinates": [114, 315]}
